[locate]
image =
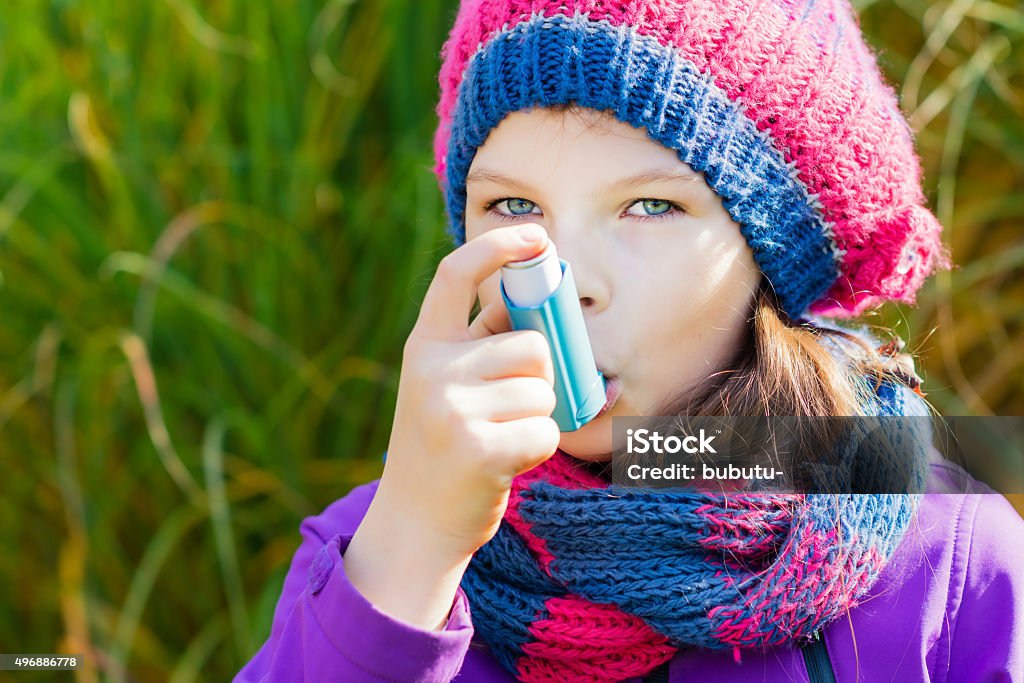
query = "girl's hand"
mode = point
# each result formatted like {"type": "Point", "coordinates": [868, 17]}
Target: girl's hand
{"type": "Point", "coordinates": [474, 401]}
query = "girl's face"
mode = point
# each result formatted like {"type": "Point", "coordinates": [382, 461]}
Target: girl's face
{"type": "Point", "coordinates": [665, 279]}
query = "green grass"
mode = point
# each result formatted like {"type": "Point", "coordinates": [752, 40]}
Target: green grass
{"type": "Point", "coordinates": [217, 221]}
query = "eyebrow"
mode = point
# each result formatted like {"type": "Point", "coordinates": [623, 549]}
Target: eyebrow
{"type": "Point", "coordinates": [643, 178]}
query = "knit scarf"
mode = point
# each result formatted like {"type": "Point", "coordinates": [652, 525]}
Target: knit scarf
{"type": "Point", "coordinates": [590, 581]}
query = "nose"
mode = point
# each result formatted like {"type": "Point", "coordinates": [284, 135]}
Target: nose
{"type": "Point", "coordinates": [584, 252]}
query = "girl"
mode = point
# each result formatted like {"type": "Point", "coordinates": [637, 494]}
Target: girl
{"type": "Point", "coordinates": [718, 174]}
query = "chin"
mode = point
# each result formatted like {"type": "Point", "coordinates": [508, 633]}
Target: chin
{"type": "Point", "coordinates": [592, 441]}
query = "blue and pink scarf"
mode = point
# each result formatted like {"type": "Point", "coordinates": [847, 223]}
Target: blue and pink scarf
{"type": "Point", "coordinates": [590, 581]}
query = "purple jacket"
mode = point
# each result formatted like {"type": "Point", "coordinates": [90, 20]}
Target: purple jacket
{"type": "Point", "coordinates": [949, 606]}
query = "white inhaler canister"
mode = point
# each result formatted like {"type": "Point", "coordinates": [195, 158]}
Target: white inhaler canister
{"type": "Point", "coordinates": [540, 294]}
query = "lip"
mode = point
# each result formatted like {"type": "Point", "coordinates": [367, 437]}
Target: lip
{"type": "Point", "coordinates": [612, 391]}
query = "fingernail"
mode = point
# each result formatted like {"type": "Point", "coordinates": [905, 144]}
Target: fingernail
{"type": "Point", "coordinates": [531, 233]}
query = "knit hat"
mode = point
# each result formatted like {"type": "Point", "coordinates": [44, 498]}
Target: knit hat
{"type": "Point", "coordinates": [779, 103]}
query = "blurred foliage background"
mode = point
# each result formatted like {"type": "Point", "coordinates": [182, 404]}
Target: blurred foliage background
{"type": "Point", "coordinates": [217, 221]}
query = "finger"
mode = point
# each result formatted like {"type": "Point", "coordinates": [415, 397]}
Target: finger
{"type": "Point", "coordinates": [451, 294]}
{"type": "Point", "coordinates": [512, 398]}
{"type": "Point", "coordinates": [493, 319]}
{"type": "Point", "coordinates": [529, 441]}
{"type": "Point", "coordinates": [520, 353]}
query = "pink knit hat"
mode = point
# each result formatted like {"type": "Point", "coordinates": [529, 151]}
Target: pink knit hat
{"type": "Point", "coordinates": [779, 103]}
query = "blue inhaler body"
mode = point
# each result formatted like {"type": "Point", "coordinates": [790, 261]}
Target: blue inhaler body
{"type": "Point", "coordinates": [540, 294]}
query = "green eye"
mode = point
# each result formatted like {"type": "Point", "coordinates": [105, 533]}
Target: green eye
{"type": "Point", "coordinates": [519, 207]}
{"type": "Point", "coordinates": [652, 207]}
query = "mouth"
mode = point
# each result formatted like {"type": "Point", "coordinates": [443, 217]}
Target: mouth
{"type": "Point", "coordinates": [612, 391]}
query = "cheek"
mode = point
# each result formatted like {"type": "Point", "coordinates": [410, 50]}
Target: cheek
{"type": "Point", "coordinates": [720, 279]}
{"type": "Point", "coordinates": [688, 315]}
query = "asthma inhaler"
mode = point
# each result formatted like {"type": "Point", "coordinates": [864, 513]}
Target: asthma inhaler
{"type": "Point", "coordinates": [540, 294]}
